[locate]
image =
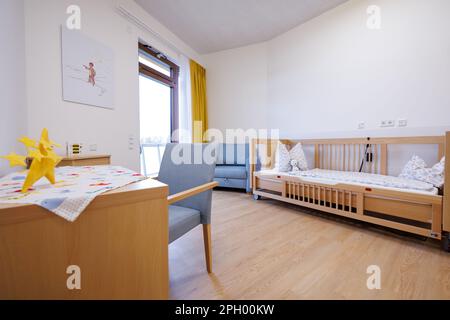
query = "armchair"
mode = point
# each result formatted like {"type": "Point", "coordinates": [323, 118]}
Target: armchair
{"type": "Point", "coordinates": [190, 192]}
{"type": "Point", "coordinates": [233, 166]}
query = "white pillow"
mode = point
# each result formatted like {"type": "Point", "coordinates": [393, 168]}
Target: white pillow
{"type": "Point", "coordinates": [439, 168]}
{"type": "Point", "coordinates": [416, 169]}
{"type": "Point", "coordinates": [290, 160]}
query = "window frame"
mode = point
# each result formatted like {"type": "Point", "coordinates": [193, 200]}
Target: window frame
{"type": "Point", "coordinates": [171, 81]}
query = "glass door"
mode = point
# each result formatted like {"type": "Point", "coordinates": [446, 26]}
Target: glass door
{"type": "Point", "coordinates": [155, 109]}
{"type": "Point", "coordinates": [158, 99]}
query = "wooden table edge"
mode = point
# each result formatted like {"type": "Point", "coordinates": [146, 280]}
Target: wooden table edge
{"type": "Point", "coordinates": [134, 192]}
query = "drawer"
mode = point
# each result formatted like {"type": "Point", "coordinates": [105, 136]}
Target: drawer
{"type": "Point", "coordinates": [269, 184]}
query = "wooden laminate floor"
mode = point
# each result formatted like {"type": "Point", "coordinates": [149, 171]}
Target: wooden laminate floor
{"type": "Point", "coordinates": [270, 250]}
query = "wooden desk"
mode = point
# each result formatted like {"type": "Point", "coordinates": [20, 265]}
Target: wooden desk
{"type": "Point", "coordinates": [87, 160]}
{"type": "Point", "coordinates": [120, 242]}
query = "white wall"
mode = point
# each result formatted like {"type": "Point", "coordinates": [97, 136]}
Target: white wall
{"type": "Point", "coordinates": [328, 74]}
{"type": "Point", "coordinates": [333, 72]}
{"type": "Point", "coordinates": [108, 129]}
{"type": "Point", "coordinates": [237, 88]}
{"type": "Point", "coordinates": [12, 82]}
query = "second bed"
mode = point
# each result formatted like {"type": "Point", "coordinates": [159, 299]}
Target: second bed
{"type": "Point", "coordinates": [398, 203]}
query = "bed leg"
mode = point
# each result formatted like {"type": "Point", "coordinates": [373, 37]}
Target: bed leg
{"type": "Point", "coordinates": [446, 241]}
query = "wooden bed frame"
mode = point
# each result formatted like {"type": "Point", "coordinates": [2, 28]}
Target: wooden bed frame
{"type": "Point", "coordinates": [422, 214]}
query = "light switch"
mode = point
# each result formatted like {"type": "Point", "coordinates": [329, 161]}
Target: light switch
{"type": "Point", "coordinates": [131, 142]}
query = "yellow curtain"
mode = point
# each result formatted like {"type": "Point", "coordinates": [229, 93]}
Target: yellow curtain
{"type": "Point", "coordinates": [199, 105]}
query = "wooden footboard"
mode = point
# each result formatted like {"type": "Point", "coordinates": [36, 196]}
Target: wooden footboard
{"type": "Point", "coordinates": [411, 212]}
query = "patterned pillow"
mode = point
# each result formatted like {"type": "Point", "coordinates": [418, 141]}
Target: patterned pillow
{"type": "Point", "coordinates": [439, 168]}
{"type": "Point", "coordinates": [416, 169]}
{"type": "Point", "coordinates": [290, 160]}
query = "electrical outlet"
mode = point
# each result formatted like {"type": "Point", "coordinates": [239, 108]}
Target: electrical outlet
{"type": "Point", "coordinates": [361, 125]}
{"type": "Point", "coordinates": [387, 123]}
{"type": "Point", "coordinates": [93, 147]}
{"type": "Point", "coordinates": [74, 149]}
{"type": "Point", "coordinates": [402, 123]}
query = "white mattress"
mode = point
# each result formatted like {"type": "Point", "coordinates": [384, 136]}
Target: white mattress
{"type": "Point", "coordinates": [332, 177]}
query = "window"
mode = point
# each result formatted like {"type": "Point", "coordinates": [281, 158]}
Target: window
{"type": "Point", "coordinates": [158, 99]}
{"type": "Point", "coordinates": [151, 62]}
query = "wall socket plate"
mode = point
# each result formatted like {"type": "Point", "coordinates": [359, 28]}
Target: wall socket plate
{"type": "Point", "coordinates": [74, 149]}
{"type": "Point", "coordinates": [361, 125]}
{"type": "Point", "coordinates": [402, 122]}
{"type": "Point", "coordinates": [387, 123]}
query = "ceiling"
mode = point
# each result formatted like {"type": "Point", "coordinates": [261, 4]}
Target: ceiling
{"type": "Point", "coordinates": [214, 25]}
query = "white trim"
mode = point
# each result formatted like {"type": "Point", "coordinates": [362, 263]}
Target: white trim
{"type": "Point", "coordinates": [130, 16]}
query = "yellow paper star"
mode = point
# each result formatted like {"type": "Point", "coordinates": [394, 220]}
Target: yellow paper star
{"type": "Point", "coordinates": [54, 144]}
{"type": "Point", "coordinates": [48, 144]}
{"type": "Point", "coordinates": [36, 155]}
{"type": "Point", "coordinates": [29, 143]}
{"type": "Point", "coordinates": [44, 164]}
{"type": "Point", "coordinates": [15, 160]}
{"type": "Point", "coordinates": [38, 170]}
{"type": "Point", "coordinates": [44, 160]}
{"type": "Point", "coordinates": [54, 157]}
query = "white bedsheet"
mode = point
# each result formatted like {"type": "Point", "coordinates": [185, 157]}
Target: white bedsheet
{"type": "Point", "coordinates": [333, 177]}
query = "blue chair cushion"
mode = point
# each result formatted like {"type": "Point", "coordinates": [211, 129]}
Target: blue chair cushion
{"type": "Point", "coordinates": [232, 172]}
{"type": "Point", "coordinates": [181, 221]}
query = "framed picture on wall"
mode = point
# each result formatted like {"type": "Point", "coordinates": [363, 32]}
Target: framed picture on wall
{"type": "Point", "coordinates": [87, 70]}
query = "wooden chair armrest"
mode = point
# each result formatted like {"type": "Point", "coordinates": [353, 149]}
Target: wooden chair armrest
{"type": "Point", "coordinates": [191, 192]}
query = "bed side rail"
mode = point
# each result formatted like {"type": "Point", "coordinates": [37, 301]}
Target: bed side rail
{"type": "Point", "coordinates": [411, 212]}
{"type": "Point", "coordinates": [351, 154]}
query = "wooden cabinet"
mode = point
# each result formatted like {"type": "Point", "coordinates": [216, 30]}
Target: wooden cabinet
{"type": "Point", "coordinates": [120, 243]}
